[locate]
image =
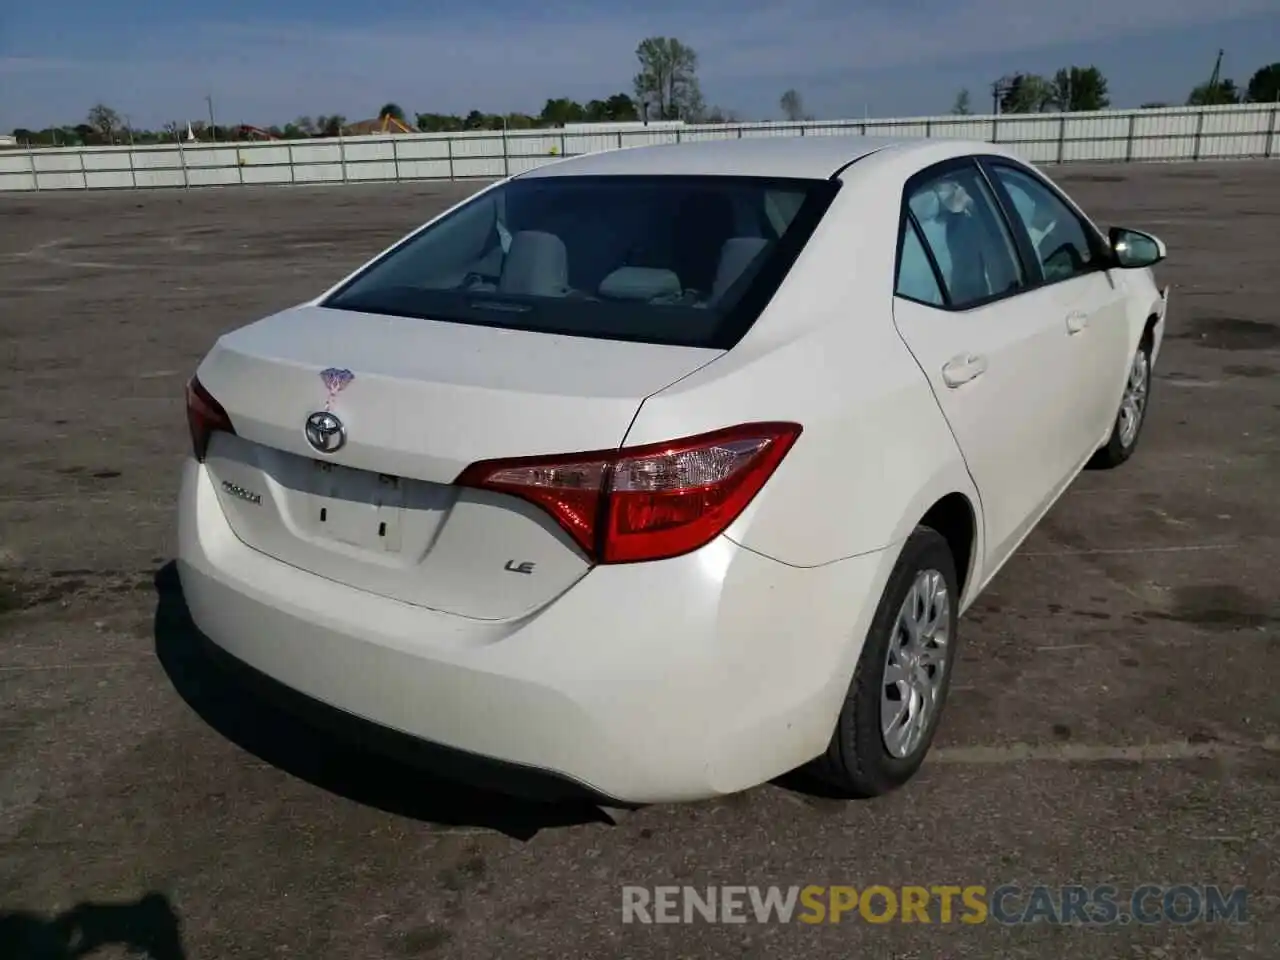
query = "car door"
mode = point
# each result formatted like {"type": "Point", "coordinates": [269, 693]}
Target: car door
{"type": "Point", "coordinates": [989, 342]}
{"type": "Point", "coordinates": [1067, 256]}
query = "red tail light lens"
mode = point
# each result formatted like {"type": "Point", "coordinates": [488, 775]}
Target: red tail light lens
{"type": "Point", "coordinates": [204, 416]}
{"type": "Point", "coordinates": [650, 502]}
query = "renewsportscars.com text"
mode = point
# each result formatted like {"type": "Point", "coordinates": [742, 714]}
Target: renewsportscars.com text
{"type": "Point", "coordinates": [939, 904]}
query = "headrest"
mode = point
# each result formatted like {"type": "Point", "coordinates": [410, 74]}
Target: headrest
{"type": "Point", "coordinates": [536, 265]}
{"type": "Point", "coordinates": [735, 256]}
{"type": "Point", "coordinates": [640, 283]}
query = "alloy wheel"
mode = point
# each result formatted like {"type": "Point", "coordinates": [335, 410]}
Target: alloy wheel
{"type": "Point", "coordinates": [914, 667]}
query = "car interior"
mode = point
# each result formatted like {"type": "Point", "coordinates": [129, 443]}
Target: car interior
{"type": "Point", "coordinates": [688, 251]}
{"type": "Point", "coordinates": [969, 243]}
{"type": "Point", "coordinates": [662, 245]}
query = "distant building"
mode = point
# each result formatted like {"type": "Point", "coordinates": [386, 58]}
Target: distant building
{"type": "Point", "coordinates": [8, 141]}
{"type": "Point", "coordinates": [378, 127]}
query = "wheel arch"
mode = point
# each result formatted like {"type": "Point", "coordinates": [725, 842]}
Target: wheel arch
{"type": "Point", "coordinates": [1153, 332]}
{"type": "Point", "coordinates": [955, 518]}
{"type": "Point", "coordinates": [1149, 330]}
{"type": "Point", "coordinates": [951, 505]}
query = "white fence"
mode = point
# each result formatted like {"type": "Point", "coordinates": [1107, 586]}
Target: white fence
{"type": "Point", "coordinates": [1181, 133]}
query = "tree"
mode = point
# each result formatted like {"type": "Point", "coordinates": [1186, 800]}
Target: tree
{"type": "Point", "coordinates": [721, 115]}
{"type": "Point", "coordinates": [617, 109]}
{"type": "Point", "coordinates": [438, 122]}
{"type": "Point", "coordinates": [1212, 95]}
{"type": "Point", "coordinates": [1264, 85]}
{"type": "Point", "coordinates": [620, 108]}
{"type": "Point", "coordinates": [561, 110]}
{"type": "Point", "coordinates": [104, 121]}
{"type": "Point", "coordinates": [1080, 88]}
{"type": "Point", "coordinates": [330, 126]}
{"type": "Point", "coordinates": [693, 109]}
{"type": "Point", "coordinates": [961, 106]}
{"type": "Point", "coordinates": [792, 105]}
{"type": "Point", "coordinates": [668, 78]}
{"type": "Point", "coordinates": [391, 110]}
{"type": "Point", "coordinates": [1025, 93]}
{"type": "Point", "coordinates": [1153, 105]}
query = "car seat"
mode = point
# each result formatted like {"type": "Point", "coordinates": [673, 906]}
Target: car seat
{"type": "Point", "coordinates": [703, 224]}
{"type": "Point", "coordinates": [537, 265]}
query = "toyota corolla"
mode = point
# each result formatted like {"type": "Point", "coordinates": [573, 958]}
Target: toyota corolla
{"type": "Point", "coordinates": [661, 472]}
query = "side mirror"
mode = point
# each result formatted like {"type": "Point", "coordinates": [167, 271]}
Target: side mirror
{"type": "Point", "coordinates": [1134, 249]}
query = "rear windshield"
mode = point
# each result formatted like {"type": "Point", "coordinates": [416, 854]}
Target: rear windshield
{"type": "Point", "coordinates": [673, 260]}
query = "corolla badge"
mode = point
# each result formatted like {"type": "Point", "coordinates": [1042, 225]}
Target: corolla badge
{"type": "Point", "coordinates": [325, 432]}
{"type": "Point", "coordinates": [244, 494]}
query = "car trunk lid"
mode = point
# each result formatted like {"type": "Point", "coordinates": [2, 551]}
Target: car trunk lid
{"type": "Point", "coordinates": [424, 399]}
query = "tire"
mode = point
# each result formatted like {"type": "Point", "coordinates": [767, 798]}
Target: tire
{"type": "Point", "coordinates": [1122, 442]}
{"type": "Point", "coordinates": [858, 762]}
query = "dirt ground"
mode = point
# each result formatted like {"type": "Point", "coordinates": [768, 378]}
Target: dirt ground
{"type": "Point", "coordinates": [1115, 719]}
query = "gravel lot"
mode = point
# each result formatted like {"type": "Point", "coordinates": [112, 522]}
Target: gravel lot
{"type": "Point", "coordinates": [1115, 719]}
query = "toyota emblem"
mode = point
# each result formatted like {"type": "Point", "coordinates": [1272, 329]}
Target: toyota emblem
{"type": "Point", "coordinates": [325, 432]}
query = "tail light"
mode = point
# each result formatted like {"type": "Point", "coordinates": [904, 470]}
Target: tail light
{"type": "Point", "coordinates": [204, 416]}
{"type": "Point", "coordinates": [649, 502]}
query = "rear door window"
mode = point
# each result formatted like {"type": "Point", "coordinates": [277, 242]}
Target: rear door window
{"type": "Point", "coordinates": [964, 229]}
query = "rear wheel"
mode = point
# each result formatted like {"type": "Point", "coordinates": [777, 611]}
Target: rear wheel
{"type": "Point", "coordinates": [1132, 414]}
{"type": "Point", "coordinates": [899, 687]}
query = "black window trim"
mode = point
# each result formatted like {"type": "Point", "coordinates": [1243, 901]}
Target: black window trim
{"type": "Point", "coordinates": [909, 222]}
{"type": "Point", "coordinates": [1101, 262]}
{"type": "Point", "coordinates": [764, 286]}
{"type": "Point", "coordinates": [932, 172]}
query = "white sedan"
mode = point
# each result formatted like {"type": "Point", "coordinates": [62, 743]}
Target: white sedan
{"type": "Point", "coordinates": [657, 473]}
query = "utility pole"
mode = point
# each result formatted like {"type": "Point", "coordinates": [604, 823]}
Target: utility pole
{"type": "Point", "coordinates": [213, 127]}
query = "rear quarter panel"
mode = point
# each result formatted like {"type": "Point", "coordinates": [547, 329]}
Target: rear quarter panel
{"type": "Point", "coordinates": [876, 452]}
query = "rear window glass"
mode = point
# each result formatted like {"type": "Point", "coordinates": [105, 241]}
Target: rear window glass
{"type": "Point", "coordinates": [674, 260]}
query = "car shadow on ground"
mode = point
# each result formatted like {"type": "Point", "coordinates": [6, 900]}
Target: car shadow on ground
{"type": "Point", "coordinates": [221, 694]}
{"type": "Point", "coordinates": [149, 929]}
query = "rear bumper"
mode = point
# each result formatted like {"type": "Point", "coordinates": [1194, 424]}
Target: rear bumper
{"type": "Point", "coordinates": [677, 680]}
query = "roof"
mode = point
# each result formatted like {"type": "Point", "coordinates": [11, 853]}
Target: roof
{"type": "Point", "coordinates": [808, 157]}
{"type": "Point", "coordinates": [378, 125]}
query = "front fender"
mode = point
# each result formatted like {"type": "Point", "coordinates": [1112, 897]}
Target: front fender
{"type": "Point", "coordinates": [1159, 309]}
{"type": "Point", "coordinates": [1146, 300]}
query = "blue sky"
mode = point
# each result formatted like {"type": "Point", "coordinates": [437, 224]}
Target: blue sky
{"type": "Point", "coordinates": [267, 62]}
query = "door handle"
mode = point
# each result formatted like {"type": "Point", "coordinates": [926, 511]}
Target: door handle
{"type": "Point", "coordinates": [1077, 320]}
{"type": "Point", "coordinates": [960, 370]}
